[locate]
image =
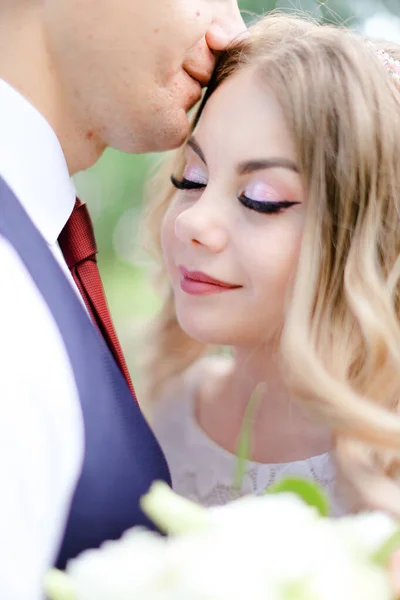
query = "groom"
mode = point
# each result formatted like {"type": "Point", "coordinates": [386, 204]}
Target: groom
{"type": "Point", "coordinates": [77, 76]}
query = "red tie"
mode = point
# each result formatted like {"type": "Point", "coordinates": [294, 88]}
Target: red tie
{"type": "Point", "coordinates": [78, 245]}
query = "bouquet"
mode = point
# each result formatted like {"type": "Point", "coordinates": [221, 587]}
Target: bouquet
{"type": "Point", "coordinates": [278, 546]}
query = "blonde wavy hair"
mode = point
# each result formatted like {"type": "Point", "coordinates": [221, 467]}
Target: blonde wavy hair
{"type": "Point", "coordinates": [341, 339]}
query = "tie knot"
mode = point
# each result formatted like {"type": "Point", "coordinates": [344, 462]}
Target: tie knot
{"type": "Point", "coordinates": [77, 240]}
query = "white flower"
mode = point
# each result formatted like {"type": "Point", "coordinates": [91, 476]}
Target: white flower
{"type": "Point", "coordinates": [366, 532]}
{"type": "Point", "coordinates": [272, 547]}
{"type": "Point", "coordinates": [348, 580]}
{"type": "Point", "coordinates": [120, 568]}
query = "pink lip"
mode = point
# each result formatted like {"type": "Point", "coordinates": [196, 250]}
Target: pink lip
{"type": "Point", "coordinates": [197, 283]}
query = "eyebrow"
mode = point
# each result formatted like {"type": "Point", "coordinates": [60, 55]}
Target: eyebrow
{"type": "Point", "coordinates": [270, 163]}
{"type": "Point", "coordinates": [196, 148]}
{"type": "Point", "coordinates": [250, 166]}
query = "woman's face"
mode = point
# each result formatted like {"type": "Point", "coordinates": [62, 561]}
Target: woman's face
{"type": "Point", "coordinates": [232, 233]}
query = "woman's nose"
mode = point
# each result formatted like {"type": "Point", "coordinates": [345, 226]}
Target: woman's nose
{"type": "Point", "coordinates": [197, 226]}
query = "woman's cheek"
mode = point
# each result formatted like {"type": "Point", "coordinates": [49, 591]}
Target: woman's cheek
{"type": "Point", "coordinates": [168, 237]}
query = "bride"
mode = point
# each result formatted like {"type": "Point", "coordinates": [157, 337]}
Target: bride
{"type": "Point", "coordinates": [280, 240]}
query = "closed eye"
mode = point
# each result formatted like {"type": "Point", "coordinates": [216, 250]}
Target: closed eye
{"type": "Point", "coordinates": [187, 184]}
{"type": "Point", "coordinates": [270, 208]}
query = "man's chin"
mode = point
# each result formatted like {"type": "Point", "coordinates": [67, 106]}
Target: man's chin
{"type": "Point", "coordinates": [165, 134]}
{"type": "Point", "coordinates": [178, 141]}
{"type": "Point", "coordinates": [173, 135]}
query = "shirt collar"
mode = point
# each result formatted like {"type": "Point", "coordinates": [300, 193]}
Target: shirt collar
{"type": "Point", "coordinates": [33, 165]}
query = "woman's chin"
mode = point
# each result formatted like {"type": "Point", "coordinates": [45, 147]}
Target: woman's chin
{"type": "Point", "coordinates": [198, 330]}
{"type": "Point", "coordinates": [206, 331]}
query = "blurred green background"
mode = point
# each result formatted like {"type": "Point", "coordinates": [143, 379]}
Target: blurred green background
{"type": "Point", "coordinates": [113, 187]}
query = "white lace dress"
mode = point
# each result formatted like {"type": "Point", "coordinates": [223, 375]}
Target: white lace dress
{"type": "Point", "coordinates": [203, 471]}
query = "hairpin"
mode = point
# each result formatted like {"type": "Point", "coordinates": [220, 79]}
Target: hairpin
{"type": "Point", "coordinates": [392, 65]}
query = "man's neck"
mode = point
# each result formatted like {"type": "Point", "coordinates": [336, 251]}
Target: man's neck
{"type": "Point", "coordinates": [22, 36]}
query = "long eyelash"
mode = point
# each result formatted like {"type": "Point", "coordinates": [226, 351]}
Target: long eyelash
{"type": "Point", "coordinates": [269, 208]}
{"type": "Point", "coordinates": [186, 184]}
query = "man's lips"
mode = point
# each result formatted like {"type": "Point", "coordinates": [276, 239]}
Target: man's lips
{"type": "Point", "coordinates": [194, 95]}
{"type": "Point", "coordinates": [201, 78]}
{"type": "Point", "coordinates": [198, 283]}
{"type": "Point", "coordinates": [200, 73]}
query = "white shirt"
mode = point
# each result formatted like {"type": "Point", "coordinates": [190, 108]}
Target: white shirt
{"type": "Point", "coordinates": [41, 427]}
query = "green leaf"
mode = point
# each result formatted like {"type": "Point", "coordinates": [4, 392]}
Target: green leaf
{"type": "Point", "coordinates": [243, 450]}
{"type": "Point", "coordinates": [309, 491]}
{"type": "Point", "coordinates": [58, 586]}
{"type": "Point", "coordinates": [382, 556]}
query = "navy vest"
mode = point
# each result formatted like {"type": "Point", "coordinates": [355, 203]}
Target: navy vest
{"type": "Point", "coordinates": [121, 457]}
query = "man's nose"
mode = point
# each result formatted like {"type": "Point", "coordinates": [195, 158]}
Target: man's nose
{"type": "Point", "coordinates": [227, 26]}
